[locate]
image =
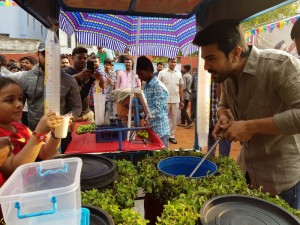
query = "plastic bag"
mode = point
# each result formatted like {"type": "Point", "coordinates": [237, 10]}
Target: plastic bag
{"type": "Point", "coordinates": [99, 104]}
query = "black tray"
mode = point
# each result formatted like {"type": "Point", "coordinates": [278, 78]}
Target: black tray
{"type": "Point", "coordinates": [99, 216]}
{"type": "Point", "coordinates": [97, 171]}
{"type": "Point", "coordinates": [244, 210]}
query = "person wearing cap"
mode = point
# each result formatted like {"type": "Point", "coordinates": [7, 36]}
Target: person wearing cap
{"type": "Point", "coordinates": [32, 84]}
{"type": "Point", "coordinates": [259, 106]}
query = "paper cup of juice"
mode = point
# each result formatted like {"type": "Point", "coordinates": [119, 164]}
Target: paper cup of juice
{"type": "Point", "coordinates": [62, 130]}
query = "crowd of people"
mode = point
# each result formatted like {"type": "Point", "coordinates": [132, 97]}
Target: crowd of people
{"type": "Point", "coordinates": [255, 100]}
{"type": "Point", "coordinates": [78, 82]}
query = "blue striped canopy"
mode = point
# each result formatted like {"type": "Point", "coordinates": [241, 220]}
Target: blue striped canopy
{"type": "Point", "coordinates": [158, 36]}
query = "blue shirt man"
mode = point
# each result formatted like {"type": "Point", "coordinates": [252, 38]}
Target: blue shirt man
{"type": "Point", "coordinates": [157, 98]}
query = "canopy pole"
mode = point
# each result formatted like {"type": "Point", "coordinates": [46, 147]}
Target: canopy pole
{"type": "Point", "coordinates": [134, 73]}
{"type": "Point", "coordinates": [196, 142]}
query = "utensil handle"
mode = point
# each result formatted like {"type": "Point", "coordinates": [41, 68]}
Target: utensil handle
{"type": "Point", "coordinates": [205, 156]}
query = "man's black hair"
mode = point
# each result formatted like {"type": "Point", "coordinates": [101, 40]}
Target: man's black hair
{"type": "Point", "coordinates": [159, 63]}
{"type": "Point", "coordinates": [13, 66]}
{"type": "Point", "coordinates": [3, 60]}
{"type": "Point", "coordinates": [187, 68]}
{"type": "Point", "coordinates": [107, 61]}
{"type": "Point", "coordinates": [227, 34]}
{"type": "Point", "coordinates": [95, 57]}
{"type": "Point", "coordinates": [79, 50]}
{"type": "Point", "coordinates": [143, 63]}
{"type": "Point", "coordinates": [169, 59]}
{"type": "Point", "coordinates": [295, 32]}
{"type": "Point", "coordinates": [128, 58]}
{"type": "Point", "coordinates": [30, 59]}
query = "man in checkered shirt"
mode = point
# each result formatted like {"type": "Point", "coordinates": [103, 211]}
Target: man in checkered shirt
{"type": "Point", "coordinates": [224, 145]}
{"type": "Point", "coordinates": [156, 94]}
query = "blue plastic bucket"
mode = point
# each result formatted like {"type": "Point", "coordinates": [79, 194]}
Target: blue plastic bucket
{"type": "Point", "coordinates": [184, 165]}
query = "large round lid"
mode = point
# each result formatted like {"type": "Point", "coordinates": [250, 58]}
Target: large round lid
{"type": "Point", "coordinates": [97, 171]}
{"type": "Point", "coordinates": [99, 216]}
{"type": "Point", "coordinates": [244, 210]}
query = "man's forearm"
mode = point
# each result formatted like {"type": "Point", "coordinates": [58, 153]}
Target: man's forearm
{"type": "Point", "coordinates": [263, 126]}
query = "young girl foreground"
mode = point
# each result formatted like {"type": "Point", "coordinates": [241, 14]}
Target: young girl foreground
{"type": "Point", "coordinates": [25, 146]}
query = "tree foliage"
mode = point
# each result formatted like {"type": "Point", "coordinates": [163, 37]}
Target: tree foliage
{"type": "Point", "coordinates": [278, 14]}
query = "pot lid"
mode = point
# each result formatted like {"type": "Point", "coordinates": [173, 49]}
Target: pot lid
{"type": "Point", "coordinates": [241, 209]}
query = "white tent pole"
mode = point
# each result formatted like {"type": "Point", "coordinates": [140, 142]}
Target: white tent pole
{"type": "Point", "coordinates": [134, 73]}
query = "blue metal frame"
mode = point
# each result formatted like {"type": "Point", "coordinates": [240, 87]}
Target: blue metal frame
{"type": "Point", "coordinates": [120, 135]}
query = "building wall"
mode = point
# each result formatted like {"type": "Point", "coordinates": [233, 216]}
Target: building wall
{"type": "Point", "coordinates": [19, 24]}
{"type": "Point", "coordinates": [68, 43]}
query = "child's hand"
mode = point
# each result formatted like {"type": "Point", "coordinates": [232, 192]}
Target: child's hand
{"type": "Point", "coordinates": [4, 149]}
{"type": "Point", "coordinates": [49, 122]}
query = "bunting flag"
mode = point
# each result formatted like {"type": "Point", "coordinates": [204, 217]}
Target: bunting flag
{"type": "Point", "coordinates": [265, 29]}
{"type": "Point", "coordinates": [249, 40]}
{"type": "Point", "coordinates": [253, 31]}
{"type": "Point", "coordinates": [261, 29]}
{"type": "Point", "coordinates": [8, 3]}
{"type": "Point", "coordinates": [270, 27]}
{"type": "Point", "coordinates": [293, 20]}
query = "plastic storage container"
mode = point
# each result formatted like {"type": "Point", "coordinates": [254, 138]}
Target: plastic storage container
{"type": "Point", "coordinates": [43, 193]}
{"type": "Point", "coordinates": [110, 136]}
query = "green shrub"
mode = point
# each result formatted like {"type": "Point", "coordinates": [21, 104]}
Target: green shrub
{"type": "Point", "coordinates": [183, 197]}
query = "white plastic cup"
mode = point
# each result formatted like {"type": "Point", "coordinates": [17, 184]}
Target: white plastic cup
{"type": "Point", "coordinates": [62, 130]}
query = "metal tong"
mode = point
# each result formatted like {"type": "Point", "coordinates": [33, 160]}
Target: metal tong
{"type": "Point", "coordinates": [207, 154]}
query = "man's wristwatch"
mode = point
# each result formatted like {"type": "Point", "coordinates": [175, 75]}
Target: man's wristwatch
{"type": "Point", "coordinates": [40, 137]}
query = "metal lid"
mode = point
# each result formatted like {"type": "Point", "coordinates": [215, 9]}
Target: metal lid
{"type": "Point", "coordinates": [241, 209]}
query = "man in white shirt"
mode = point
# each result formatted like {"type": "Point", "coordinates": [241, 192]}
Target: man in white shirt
{"type": "Point", "coordinates": [172, 79]}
